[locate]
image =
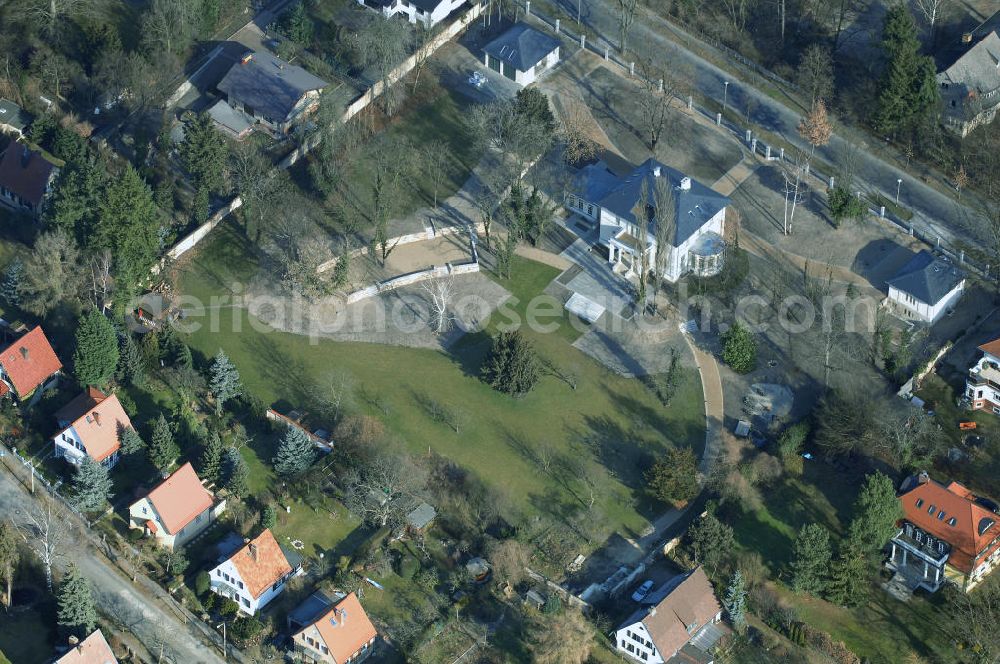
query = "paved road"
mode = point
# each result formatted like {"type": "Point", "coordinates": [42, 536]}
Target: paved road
{"type": "Point", "coordinates": [936, 213]}
{"type": "Point", "coordinates": [151, 621]}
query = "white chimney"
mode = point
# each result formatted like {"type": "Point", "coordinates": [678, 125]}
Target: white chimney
{"type": "Point", "coordinates": [685, 183]}
{"type": "Point", "coordinates": [656, 170]}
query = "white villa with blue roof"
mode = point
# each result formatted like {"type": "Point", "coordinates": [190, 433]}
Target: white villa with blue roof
{"type": "Point", "coordinates": [925, 288]}
{"type": "Point", "coordinates": [609, 199]}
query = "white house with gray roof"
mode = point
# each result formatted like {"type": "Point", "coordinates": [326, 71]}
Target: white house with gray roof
{"type": "Point", "coordinates": [925, 288]}
{"type": "Point", "coordinates": [522, 53]}
{"type": "Point", "coordinates": [970, 88]}
{"type": "Point", "coordinates": [610, 200]}
{"type": "Point", "coordinates": [426, 12]}
{"type": "Point", "coordinates": [270, 91]}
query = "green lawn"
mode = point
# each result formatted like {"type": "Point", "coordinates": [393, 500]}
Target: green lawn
{"type": "Point", "coordinates": [608, 423]}
{"type": "Point", "coordinates": [28, 636]}
{"type": "Point", "coordinates": [323, 529]}
{"type": "Point", "coordinates": [875, 632]}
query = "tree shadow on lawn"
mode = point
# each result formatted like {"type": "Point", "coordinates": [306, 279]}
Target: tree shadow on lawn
{"type": "Point", "coordinates": [349, 545]}
{"type": "Point", "coordinates": [283, 371]}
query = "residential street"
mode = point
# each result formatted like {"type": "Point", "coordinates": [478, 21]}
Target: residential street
{"type": "Point", "coordinates": [934, 212]}
{"type": "Point", "coordinates": [151, 621]}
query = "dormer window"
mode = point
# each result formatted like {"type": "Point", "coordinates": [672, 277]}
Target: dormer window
{"type": "Point", "coordinates": [920, 502]}
{"type": "Point", "coordinates": [931, 510]}
{"type": "Point", "coordinates": [941, 515]}
{"type": "Point", "coordinates": [952, 521]}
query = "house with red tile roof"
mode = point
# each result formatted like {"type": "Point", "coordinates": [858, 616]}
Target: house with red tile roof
{"type": "Point", "coordinates": [92, 650]}
{"type": "Point", "coordinates": [679, 624]}
{"type": "Point", "coordinates": [342, 634]}
{"type": "Point", "coordinates": [92, 425]}
{"type": "Point", "coordinates": [177, 510]}
{"type": "Point", "coordinates": [28, 366]}
{"type": "Point", "coordinates": [982, 386]}
{"type": "Point", "coordinates": [947, 534]}
{"type": "Point", "coordinates": [255, 574]}
{"type": "Point", "coordinates": [25, 178]}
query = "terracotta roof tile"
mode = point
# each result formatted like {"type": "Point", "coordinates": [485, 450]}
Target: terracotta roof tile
{"type": "Point", "coordinates": [345, 628]}
{"type": "Point", "coordinates": [92, 650]}
{"type": "Point", "coordinates": [261, 563]}
{"type": "Point", "coordinates": [975, 526]}
{"type": "Point", "coordinates": [99, 428]}
{"type": "Point", "coordinates": [691, 604]}
{"type": "Point", "coordinates": [29, 361]}
{"type": "Point", "coordinates": [79, 405]}
{"type": "Point", "coordinates": [180, 498]}
{"type": "Point", "coordinates": [991, 348]}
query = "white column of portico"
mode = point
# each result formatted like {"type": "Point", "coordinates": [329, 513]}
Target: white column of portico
{"type": "Point", "coordinates": [927, 569]}
{"type": "Point", "coordinates": [892, 558]}
{"type": "Point", "coordinates": [937, 575]}
{"type": "Point", "coordinates": [904, 557]}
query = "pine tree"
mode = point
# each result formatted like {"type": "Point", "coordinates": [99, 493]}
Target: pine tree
{"type": "Point", "coordinates": [131, 442]}
{"type": "Point", "coordinates": [512, 366]}
{"type": "Point", "coordinates": [96, 354]}
{"type": "Point", "coordinates": [739, 349]}
{"type": "Point", "coordinates": [295, 453]}
{"type": "Point", "coordinates": [736, 602]}
{"type": "Point", "coordinates": [876, 513]}
{"type": "Point", "coordinates": [162, 448]}
{"type": "Point", "coordinates": [203, 153]}
{"type": "Point", "coordinates": [268, 517]}
{"type": "Point", "coordinates": [10, 286]}
{"type": "Point", "coordinates": [91, 486]}
{"type": "Point", "coordinates": [131, 363]}
{"type": "Point", "coordinates": [711, 540]}
{"type": "Point", "coordinates": [77, 614]}
{"type": "Point", "coordinates": [210, 464]}
{"type": "Point", "coordinates": [236, 473]}
{"type": "Point", "coordinates": [812, 559]}
{"type": "Point", "coordinates": [850, 577]}
{"type": "Point", "coordinates": [909, 90]}
{"type": "Point", "coordinates": [76, 198]}
{"type": "Point", "coordinates": [128, 224]}
{"type": "Point", "coordinates": [225, 381]}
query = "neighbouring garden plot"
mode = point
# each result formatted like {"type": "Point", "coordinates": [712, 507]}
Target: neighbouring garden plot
{"type": "Point", "coordinates": [432, 118]}
{"type": "Point", "coordinates": [824, 494]}
{"type": "Point", "coordinates": [604, 420]}
{"type": "Point", "coordinates": [858, 245]}
{"type": "Point", "coordinates": [696, 150]}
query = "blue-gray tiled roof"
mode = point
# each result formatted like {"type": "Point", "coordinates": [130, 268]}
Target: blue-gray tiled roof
{"type": "Point", "coordinates": [694, 206]}
{"type": "Point", "coordinates": [269, 85]}
{"type": "Point", "coordinates": [522, 46]}
{"type": "Point", "coordinates": [927, 277]}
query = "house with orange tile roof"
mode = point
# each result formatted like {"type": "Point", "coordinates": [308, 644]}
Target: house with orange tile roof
{"type": "Point", "coordinates": [28, 366]}
{"type": "Point", "coordinates": [177, 510]}
{"type": "Point", "coordinates": [92, 650]}
{"type": "Point", "coordinates": [91, 425]}
{"type": "Point", "coordinates": [982, 386]}
{"type": "Point", "coordinates": [255, 574]}
{"type": "Point", "coordinates": [342, 634]}
{"type": "Point", "coordinates": [947, 534]}
{"type": "Point", "coordinates": [679, 624]}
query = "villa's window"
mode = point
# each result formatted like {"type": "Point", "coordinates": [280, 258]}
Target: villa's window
{"type": "Point", "coordinates": [920, 502]}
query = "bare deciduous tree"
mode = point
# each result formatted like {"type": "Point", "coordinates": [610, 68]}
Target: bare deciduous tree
{"type": "Point", "coordinates": [44, 531]}
{"type": "Point", "coordinates": [660, 87]}
{"type": "Point", "coordinates": [642, 211]}
{"type": "Point", "coordinates": [665, 222]}
{"type": "Point", "coordinates": [52, 14]}
{"type": "Point", "coordinates": [435, 157]}
{"type": "Point", "coordinates": [509, 559]}
{"type": "Point", "coordinates": [382, 46]}
{"type": "Point", "coordinates": [793, 172]}
{"type": "Point", "coordinates": [932, 10]}
{"type": "Point", "coordinates": [815, 73]}
{"type": "Point", "coordinates": [100, 278]}
{"type": "Point", "coordinates": [626, 17]}
{"type": "Point", "coordinates": [384, 490]}
{"type": "Point", "coordinates": [441, 292]}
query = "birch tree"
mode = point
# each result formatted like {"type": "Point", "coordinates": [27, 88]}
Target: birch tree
{"type": "Point", "coordinates": [642, 214]}
{"type": "Point", "coordinates": [42, 530]}
{"type": "Point", "coordinates": [793, 172]}
{"type": "Point", "coordinates": [931, 11]}
{"type": "Point", "coordinates": [441, 293]}
{"type": "Point", "coordinates": [10, 556]}
{"type": "Point", "coordinates": [51, 15]}
{"type": "Point", "coordinates": [660, 86]}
